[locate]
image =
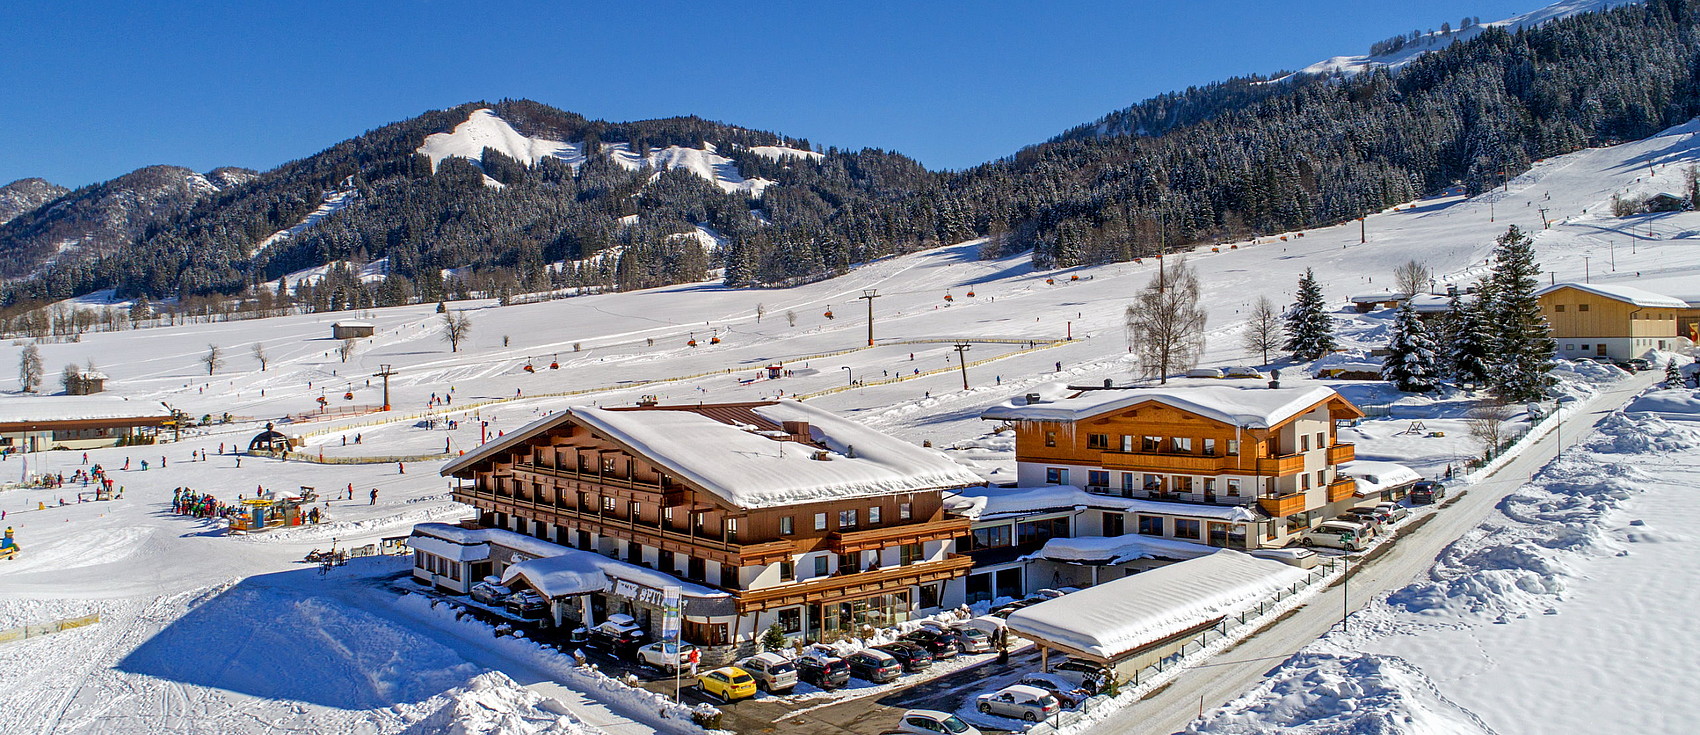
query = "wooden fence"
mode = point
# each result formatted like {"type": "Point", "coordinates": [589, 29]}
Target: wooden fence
{"type": "Point", "coordinates": [36, 630]}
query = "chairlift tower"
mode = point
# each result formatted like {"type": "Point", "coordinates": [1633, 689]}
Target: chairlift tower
{"type": "Point", "coordinates": [385, 371]}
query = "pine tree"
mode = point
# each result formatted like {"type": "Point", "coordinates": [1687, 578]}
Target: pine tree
{"type": "Point", "coordinates": [1310, 330]}
{"type": "Point", "coordinates": [1410, 363]}
{"type": "Point", "coordinates": [1523, 344]}
{"type": "Point", "coordinates": [1468, 341]}
{"type": "Point", "coordinates": [1673, 374]}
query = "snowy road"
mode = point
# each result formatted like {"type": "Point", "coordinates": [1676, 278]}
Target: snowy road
{"type": "Point", "coordinates": [1216, 682]}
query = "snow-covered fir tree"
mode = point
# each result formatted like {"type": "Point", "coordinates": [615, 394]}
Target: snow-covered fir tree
{"type": "Point", "coordinates": [1468, 340]}
{"type": "Point", "coordinates": [1673, 374]}
{"type": "Point", "coordinates": [1523, 345]}
{"type": "Point", "coordinates": [1411, 363]}
{"type": "Point", "coordinates": [1310, 330]}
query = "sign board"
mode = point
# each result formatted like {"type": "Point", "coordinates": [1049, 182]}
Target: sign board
{"type": "Point", "coordinates": [670, 613]}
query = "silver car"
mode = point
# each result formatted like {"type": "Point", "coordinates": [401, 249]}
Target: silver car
{"type": "Point", "coordinates": [773, 672]}
{"type": "Point", "coordinates": [1019, 701]}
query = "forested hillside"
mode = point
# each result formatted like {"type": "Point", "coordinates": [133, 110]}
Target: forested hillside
{"type": "Point", "coordinates": [1245, 156]}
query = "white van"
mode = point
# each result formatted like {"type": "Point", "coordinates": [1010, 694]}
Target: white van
{"type": "Point", "coordinates": [1337, 535]}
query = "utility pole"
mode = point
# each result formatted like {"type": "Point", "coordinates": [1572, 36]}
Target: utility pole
{"type": "Point", "coordinates": [1587, 273]}
{"type": "Point", "coordinates": [962, 359]}
{"type": "Point", "coordinates": [1543, 211]}
{"type": "Point", "coordinates": [1490, 210]}
{"type": "Point", "coordinates": [1363, 230]}
{"type": "Point", "coordinates": [868, 295]}
{"type": "Point", "coordinates": [1612, 245]}
{"type": "Point", "coordinates": [1346, 594]}
{"type": "Point", "coordinates": [385, 372]}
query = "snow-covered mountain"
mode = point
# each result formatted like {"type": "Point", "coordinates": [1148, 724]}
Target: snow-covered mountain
{"type": "Point", "coordinates": [24, 195]}
{"type": "Point", "coordinates": [1432, 40]}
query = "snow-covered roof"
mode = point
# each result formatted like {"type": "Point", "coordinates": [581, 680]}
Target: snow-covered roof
{"type": "Point", "coordinates": [1630, 294]}
{"type": "Point", "coordinates": [1118, 549]}
{"type": "Point", "coordinates": [1430, 303]}
{"type": "Point", "coordinates": [556, 570]}
{"type": "Point", "coordinates": [354, 324]}
{"type": "Point", "coordinates": [1374, 477]}
{"type": "Point", "coordinates": [1377, 297]}
{"type": "Point", "coordinates": [751, 469]}
{"type": "Point", "coordinates": [1256, 408]}
{"type": "Point", "coordinates": [1120, 617]}
{"type": "Point", "coordinates": [39, 409]}
{"type": "Point", "coordinates": [986, 503]}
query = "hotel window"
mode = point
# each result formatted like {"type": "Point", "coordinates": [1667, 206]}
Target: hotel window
{"type": "Point", "coordinates": [874, 516]}
{"type": "Point", "coordinates": [1112, 524]}
{"type": "Point", "coordinates": [731, 527]}
{"type": "Point", "coordinates": [787, 571]}
{"type": "Point", "coordinates": [728, 576]}
{"type": "Point", "coordinates": [846, 519]}
{"type": "Point", "coordinates": [1321, 439]}
{"type": "Point", "coordinates": [1233, 447]}
{"type": "Point", "coordinates": [1304, 442]}
{"type": "Point", "coordinates": [1209, 447]}
{"type": "Point", "coordinates": [1233, 487]}
{"type": "Point", "coordinates": [791, 620]}
{"type": "Point", "coordinates": [1127, 443]}
{"type": "Point", "coordinates": [849, 563]}
{"type": "Point", "coordinates": [696, 521]}
{"type": "Point", "coordinates": [1150, 525]}
{"type": "Point", "coordinates": [1097, 441]}
{"type": "Point", "coordinates": [908, 554]}
{"type": "Point", "coordinates": [904, 511]}
{"type": "Point", "coordinates": [1183, 444]}
{"type": "Point", "coordinates": [607, 504]}
{"type": "Point", "coordinates": [1098, 477]}
{"type": "Point", "coordinates": [1319, 481]}
{"type": "Point", "coordinates": [992, 537]}
{"type": "Point", "coordinates": [1151, 444]}
{"type": "Point", "coordinates": [787, 525]}
{"type": "Point", "coordinates": [634, 510]}
{"type": "Point", "coordinates": [1050, 438]}
{"type": "Point", "coordinates": [1209, 486]}
{"type": "Point", "coordinates": [664, 561]}
{"type": "Point", "coordinates": [1056, 476]}
{"type": "Point", "coordinates": [1581, 307]}
{"type": "Point", "coordinates": [1186, 528]}
{"type": "Point", "coordinates": [1304, 482]}
{"type": "Point", "coordinates": [820, 521]}
{"type": "Point", "coordinates": [820, 566]}
{"type": "Point", "coordinates": [1183, 483]}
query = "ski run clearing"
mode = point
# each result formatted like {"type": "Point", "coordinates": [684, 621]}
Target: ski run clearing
{"type": "Point", "coordinates": [203, 632]}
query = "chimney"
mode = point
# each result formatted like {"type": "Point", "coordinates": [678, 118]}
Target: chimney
{"type": "Point", "coordinates": [1108, 383]}
{"type": "Point", "coordinates": [1032, 398]}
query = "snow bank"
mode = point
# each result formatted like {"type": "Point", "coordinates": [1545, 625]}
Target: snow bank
{"type": "Point", "coordinates": [1325, 693]}
{"type": "Point", "coordinates": [493, 704]}
{"type": "Point", "coordinates": [1670, 405]}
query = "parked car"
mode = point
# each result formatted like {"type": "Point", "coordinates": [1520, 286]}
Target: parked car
{"type": "Point", "coordinates": [1067, 692]}
{"type": "Point", "coordinates": [1394, 512]}
{"type": "Point", "coordinates": [1336, 535]}
{"type": "Point", "coordinates": [1204, 372]}
{"type": "Point", "coordinates": [1004, 610]}
{"type": "Point", "coordinates": [1088, 675]}
{"type": "Point", "coordinates": [1368, 516]}
{"type": "Point", "coordinates": [773, 672]}
{"type": "Point", "coordinates": [931, 722]}
{"type": "Point", "coordinates": [940, 643]}
{"type": "Point", "coordinates": [1635, 364]}
{"type": "Point", "coordinates": [618, 633]}
{"type": "Point", "coordinates": [972, 640]}
{"type": "Point", "coordinates": [914, 658]}
{"type": "Point", "coordinates": [528, 604]}
{"type": "Point", "coordinates": [727, 683]}
{"type": "Point", "coordinates": [823, 670]}
{"type": "Point", "coordinates": [1019, 701]}
{"type": "Point", "coordinates": [1243, 372]}
{"type": "Point", "coordinates": [489, 592]}
{"type": "Point", "coordinates": [667, 655]}
{"type": "Point", "coordinates": [873, 665]}
{"type": "Point", "coordinates": [1427, 492]}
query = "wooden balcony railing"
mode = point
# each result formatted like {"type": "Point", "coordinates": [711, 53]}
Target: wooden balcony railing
{"type": "Point", "coordinates": [1163, 462]}
{"type": "Point", "coordinates": [1341, 489]}
{"type": "Point", "coordinates": [1283, 505]}
{"type": "Point", "coordinates": [850, 542]}
{"type": "Point", "coordinates": [1342, 453]}
{"type": "Point", "coordinates": [845, 586]}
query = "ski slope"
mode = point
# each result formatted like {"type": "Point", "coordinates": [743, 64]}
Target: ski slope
{"type": "Point", "coordinates": [202, 632]}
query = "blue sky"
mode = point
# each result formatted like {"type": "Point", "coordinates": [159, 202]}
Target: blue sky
{"type": "Point", "coordinates": [95, 89]}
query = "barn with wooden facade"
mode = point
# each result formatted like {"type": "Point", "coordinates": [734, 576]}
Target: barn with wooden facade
{"type": "Point", "coordinates": [1609, 321]}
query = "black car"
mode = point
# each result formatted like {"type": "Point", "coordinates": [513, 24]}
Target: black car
{"type": "Point", "coordinates": [1426, 492]}
{"type": "Point", "coordinates": [825, 672]}
{"type": "Point", "coordinates": [941, 644]}
{"type": "Point", "coordinates": [914, 658]}
{"type": "Point", "coordinates": [619, 634]}
{"type": "Point", "coordinates": [875, 666]}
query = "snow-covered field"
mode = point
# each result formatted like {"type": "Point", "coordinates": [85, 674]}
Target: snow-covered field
{"type": "Point", "coordinates": [192, 618]}
{"type": "Point", "coordinates": [1564, 612]}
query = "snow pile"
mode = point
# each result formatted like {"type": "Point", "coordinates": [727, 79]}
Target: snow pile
{"type": "Point", "coordinates": [1322, 693]}
{"type": "Point", "coordinates": [1671, 405]}
{"type": "Point", "coordinates": [493, 704]}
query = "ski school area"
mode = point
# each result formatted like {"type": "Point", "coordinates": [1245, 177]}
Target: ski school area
{"type": "Point", "coordinates": [959, 524]}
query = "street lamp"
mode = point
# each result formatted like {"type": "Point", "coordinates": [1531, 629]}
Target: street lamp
{"type": "Point", "coordinates": [849, 374]}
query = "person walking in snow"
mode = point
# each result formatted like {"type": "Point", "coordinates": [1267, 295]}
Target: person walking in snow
{"type": "Point", "coordinates": [374, 500]}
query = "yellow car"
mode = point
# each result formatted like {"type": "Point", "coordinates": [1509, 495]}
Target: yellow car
{"type": "Point", "coordinates": [727, 683]}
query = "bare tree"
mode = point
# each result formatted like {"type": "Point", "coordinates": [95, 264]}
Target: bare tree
{"type": "Point", "coordinates": [346, 349]}
{"type": "Point", "coordinates": [1412, 278]}
{"type": "Point", "coordinates": [1165, 323]}
{"type": "Point", "coordinates": [457, 326]}
{"type": "Point", "coordinates": [791, 317]}
{"type": "Point", "coordinates": [259, 351]}
{"type": "Point", "coordinates": [761, 310]}
{"type": "Point", "coordinates": [1263, 332]}
{"type": "Point", "coordinates": [69, 376]}
{"type": "Point", "coordinates": [214, 359]}
{"type": "Point", "coordinates": [1486, 424]}
{"type": "Point", "coordinates": [29, 368]}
